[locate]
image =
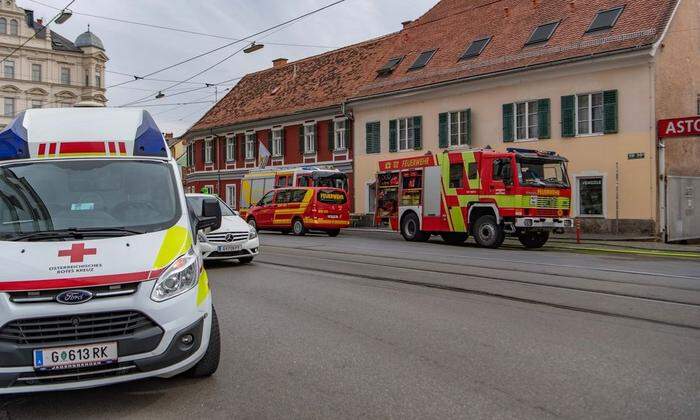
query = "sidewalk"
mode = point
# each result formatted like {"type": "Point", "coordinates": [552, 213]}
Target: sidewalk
{"type": "Point", "coordinates": [599, 242]}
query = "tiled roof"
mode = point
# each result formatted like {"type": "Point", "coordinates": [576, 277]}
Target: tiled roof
{"type": "Point", "coordinates": [451, 25]}
{"type": "Point", "coordinates": [316, 82]}
{"type": "Point", "coordinates": [60, 43]}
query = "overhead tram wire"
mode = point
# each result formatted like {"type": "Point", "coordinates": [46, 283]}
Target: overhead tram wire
{"type": "Point", "coordinates": [169, 28]}
{"type": "Point", "coordinates": [46, 27]}
{"type": "Point", "coordinates": [136, 77]}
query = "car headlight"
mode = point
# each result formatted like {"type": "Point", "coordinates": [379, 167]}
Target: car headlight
{"type": "Point", "coordinates": [253, 233]}
{"type": "Point", "coordinates": [182, 275]}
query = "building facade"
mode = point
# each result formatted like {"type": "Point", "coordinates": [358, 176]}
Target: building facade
{"type": "Point", "coordinates": [50, 70]}
{"type": "Point", "coordinates": [294, 110]}
{"type": "Point", "coordinates": [590, 86]}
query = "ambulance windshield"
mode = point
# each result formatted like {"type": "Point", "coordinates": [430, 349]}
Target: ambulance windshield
{"type": "Point", "coordinates": [92, 198]}
{"type": "Point", "coordinates": [542, 173]}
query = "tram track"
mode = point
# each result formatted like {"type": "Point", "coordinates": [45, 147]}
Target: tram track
{"type": "Point", "coordinates": [658, 304]}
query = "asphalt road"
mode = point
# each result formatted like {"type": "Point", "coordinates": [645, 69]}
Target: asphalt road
{"type": "Point", "coordinates": [368, 326]}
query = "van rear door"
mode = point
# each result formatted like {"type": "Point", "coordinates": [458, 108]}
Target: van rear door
{"type": "Point", "coordinates": [332, 204]}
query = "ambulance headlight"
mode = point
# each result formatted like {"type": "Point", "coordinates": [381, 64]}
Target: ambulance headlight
{"type": "Point", "coordinates": [182, 275]}
{"type": "Point", "coordinates": [253, 233]}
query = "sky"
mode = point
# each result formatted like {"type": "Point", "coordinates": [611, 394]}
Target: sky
{"type": "Point", "coordinates": [139, 50]}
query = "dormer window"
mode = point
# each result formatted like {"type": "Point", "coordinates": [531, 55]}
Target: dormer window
{"type": "Point", "coordinates": [605, 19]}
{"type": "Point", "coordinates": [542, 33]}
{"type": "Point", "coordinates": [422, 60]}
{"type": "Point", "coordinates": [390, 66]}
{"type": "Point", "coordinates": [14, 27]}
{"type": "Point", "coordinates": [476, 48]}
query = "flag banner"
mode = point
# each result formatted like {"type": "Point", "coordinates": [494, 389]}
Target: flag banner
{"type": "Point", "coordinates": [263, 155]}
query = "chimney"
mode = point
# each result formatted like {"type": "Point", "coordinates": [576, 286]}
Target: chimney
{"type": "Point", "coordinates": [40, 21]}
{"type": "Point", "coordinates": [30, 17]}
{"type": "Point", "coordinates": [279, 62]}
{"type": "Point", "coordinates": [168, 136]}
{"type": "Point", "coordinates": [405, 23]}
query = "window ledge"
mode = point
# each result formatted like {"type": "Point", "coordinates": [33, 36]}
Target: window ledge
{"type": "Point", "coordinates": [460, 147]}
{"type": "Point", "coordinates": [343, 150]}
{"type": "Point", "coordinates": [583, 136]}
{"type": "Point", "coordinates": [591, 216]}
{"type": "Point", "coordinates": [309, 154]}
{"type": "Point", "coordinates": [526, 140]}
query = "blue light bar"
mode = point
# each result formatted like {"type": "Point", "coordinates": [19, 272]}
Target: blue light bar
{"type": "Point", "coordinates": [149, 140]}
{"type": "Point", "coordinates": [13, 140]}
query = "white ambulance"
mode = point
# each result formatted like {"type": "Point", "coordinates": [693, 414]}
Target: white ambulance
{"type": "Point", "coordinates": [101, 276]}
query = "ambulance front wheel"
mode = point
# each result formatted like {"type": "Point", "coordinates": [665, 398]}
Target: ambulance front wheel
{"type": "Point", "coordinates": [208, 365]}
{"type": "Point", "coordinates": [410, 229]}
{"type": "Point", "coordinates": [488, 233]}
{"type": "Point", "coordinates": [533, 239]}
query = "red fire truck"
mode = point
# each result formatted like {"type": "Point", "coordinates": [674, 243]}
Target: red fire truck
{"type": "Point", "coordinates": [484, 193]}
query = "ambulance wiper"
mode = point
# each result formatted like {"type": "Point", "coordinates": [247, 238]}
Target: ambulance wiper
{"type": "Point", "coordinates": [75, 233]}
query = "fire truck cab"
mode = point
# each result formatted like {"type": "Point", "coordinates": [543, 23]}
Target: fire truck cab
{"type": "Point", "coordinates": [485, 193]}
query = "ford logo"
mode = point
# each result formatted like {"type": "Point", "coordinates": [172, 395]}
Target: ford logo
{"type": "Point", "coordinates": [74, 297]}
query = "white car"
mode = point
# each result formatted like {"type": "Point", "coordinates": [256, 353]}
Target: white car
{"type": "Point", "coordinates": [234, 240]}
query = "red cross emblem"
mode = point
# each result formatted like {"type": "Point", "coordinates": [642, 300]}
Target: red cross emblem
{"type": "Point", "coordinates": [77, 253]}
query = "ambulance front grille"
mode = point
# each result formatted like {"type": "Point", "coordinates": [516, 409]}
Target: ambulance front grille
{"type": "Point", "coordinates": [67, 328]}
{"type": "Point", "coordinates": [98, 292]}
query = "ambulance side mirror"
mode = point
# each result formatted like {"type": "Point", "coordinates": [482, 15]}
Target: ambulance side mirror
{"type": "Point", "coordinates": [211, 215]}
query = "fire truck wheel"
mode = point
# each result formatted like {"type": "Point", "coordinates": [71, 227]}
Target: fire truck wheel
{"type": "Point", "coordinates": [533, 239]}
{"type": "Point", "coordinates": [488, 233]}
{"type": "Point", "coordinates": [410, 231]}
{"type": "Point", "coordinates": [454, 238]}
{"type": "Point", "coordinates": [298, 227]}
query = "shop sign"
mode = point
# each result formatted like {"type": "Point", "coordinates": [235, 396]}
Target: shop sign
{"type": "Point", "coordinates": [679, 127]}
{"type": "Point", "coordinates": [406, 163]}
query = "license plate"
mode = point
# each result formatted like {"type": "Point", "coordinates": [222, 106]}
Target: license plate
{"type": "Point", "coordinates": [230, 248]}
{"type": "Point", "coordinates": [333, 216]}
{"type": "Point", "coordinates": [75, 356]}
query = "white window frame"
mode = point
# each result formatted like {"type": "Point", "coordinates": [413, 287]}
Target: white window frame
{"type": "Point", "coordinates": [208, 149]}
{"type": "Point", "coordinates": [310, 139]}
{"type": "Point", "coordinates": [36, 104]}
{"type": "Point", "coordinates": [190, 155]}
{"type": "Point", "coordinates": [526, 120]}
{"type": "Point", "coordinates": [231, 195]}
{"type": "Point", "coordinates": [340, 137]}
{"type": "Point", "coordinates": [408, 133]}
{"type": "Point", "coordinates": [210, 188]}
{"type": "Point", "coordinates": [98, 79]}
{"type": "Point", "coordinates": [66, 80]}
{"type": "Point", "coordinates": [460, 135]}
{"type": "Point", "coordinates": [14, 27]}
{"type": "Point", "coordinates": [230, 149]}
{"type": "Point", "coordinates": [250, 146]}
{"type": "Point", "coordinates": [589, 115]}
{"type": "Point", "coordinates": [6, 111]}
{"type": "Point", "coordinates": [276, 143]}
{"type": "Point", "coordinates": [8, 64]}
{"type": "Point", "coordinates": [39, 78]}
{"type": "Point", "coordinates": [576, 192]}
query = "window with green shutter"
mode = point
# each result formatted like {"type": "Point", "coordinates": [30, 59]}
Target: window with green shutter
{"type": "Point", "coordinates": [610, 115]}
{"type": "Point", "coordinates": [543, 119]}
{"type": "Point", "coordinates": [393, 135]}
{"type": "Point", "coordinates": [372, 137]}
{"type": "Point", "coordinates": [508, 115]}
{"type": "Point", "coordinates": [443, 130]}
{"type": "Point", "coordinates": [596, 113]}
{"type": "Point", "coordinates": [455, 128]}
{"type": "Point", "coordinates": [568, 116]}
{"type": "Point", "coordinates": [417, 133]}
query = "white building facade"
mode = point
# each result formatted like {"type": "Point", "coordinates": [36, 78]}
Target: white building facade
{"type": "Point", "coordinates": [50, 70]}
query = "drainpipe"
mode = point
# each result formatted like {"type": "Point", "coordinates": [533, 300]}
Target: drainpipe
{"type": "Point", "coordinates": [663, 225]}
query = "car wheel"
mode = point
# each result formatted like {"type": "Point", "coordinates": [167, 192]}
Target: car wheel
{"type": "Point", "coordinates": [333, 233]}
{"type": "Point", "coordinates": [410, 230]}
{"type": "Point", "coordinates": [245, 260]}
{"type": "Point", "coordinates": [298, 228]}
{"type": "Point", "coordinates": [454, 238]}
{"type": "Point", "coordinates": [210, 362]}
{"type": "Point", "coordinates": [488, 233]}
{"type": "Point", "coordinates": [253, 223]}
{"type": "Point", "coordinates": [533, 239]}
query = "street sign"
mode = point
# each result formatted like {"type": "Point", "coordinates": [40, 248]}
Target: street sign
{"type": "Point", "coordinates": [679, 127]}
{"type": "Point", "coordinates": [638, 155]}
